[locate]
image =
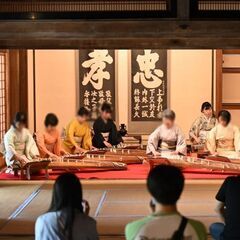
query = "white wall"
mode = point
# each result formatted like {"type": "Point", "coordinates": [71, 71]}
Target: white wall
{"type": "Point", "coordinates": [55, 85]}
{"type": "Point", "coordinates": [189, 73]}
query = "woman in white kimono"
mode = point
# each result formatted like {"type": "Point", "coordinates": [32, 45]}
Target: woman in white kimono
{"type": "Point", "coordinates": [168, 136]}
{"type": "Point", "coordinates": [19, 145]}
{"type": "Point", "coordinates": [224, 138]}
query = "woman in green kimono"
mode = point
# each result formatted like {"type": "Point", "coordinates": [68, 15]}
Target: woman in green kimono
{"type": "Point", "coordinates": [203, 124]}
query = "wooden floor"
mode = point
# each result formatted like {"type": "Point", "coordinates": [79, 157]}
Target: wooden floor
{"type": "Point", "coordinates": [113, 204]}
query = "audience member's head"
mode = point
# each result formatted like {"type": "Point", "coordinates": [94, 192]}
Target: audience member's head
{"type": "Point", "coordinates": [206, 109]}
{"type": "Point", "coordinates": [168, 118]}
{"type": "Point", "coordinates": [224, 117]}
{"type": "Point", "coordinates": [51, 122]}
{"type": "Point", "coordinates": [106, 111]}
{"type": "Point", "coordinates": [165, 183]}
{"type": "Point", "coordinates": [20, 121]}
{"type": "Point", "coordinates": [83, 114]}
{"type": "Point", "coordinates": [67, 198]}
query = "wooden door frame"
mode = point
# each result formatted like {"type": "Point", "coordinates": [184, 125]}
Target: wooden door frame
{"type": "Point", "coordinates": [17, 83]}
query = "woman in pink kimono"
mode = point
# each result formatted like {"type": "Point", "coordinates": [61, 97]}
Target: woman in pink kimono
{"type": "Point", "coordinates": [168, 136]}
{"type": "Point", "coordinates": [49, 141]}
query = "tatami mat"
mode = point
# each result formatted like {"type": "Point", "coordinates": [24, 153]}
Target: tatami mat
{"type": "Point", "coordinates": [113, 204]}
{"type": "Point", "coordinates": [12, 195]}
{"type": "Point", "coordinates": [25, 220]}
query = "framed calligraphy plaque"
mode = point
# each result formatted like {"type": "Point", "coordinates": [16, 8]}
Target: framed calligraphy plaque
{"type": "Point", "coordinates": [148, 84]}
{"type": "Point", "coordinates": [96, 79]}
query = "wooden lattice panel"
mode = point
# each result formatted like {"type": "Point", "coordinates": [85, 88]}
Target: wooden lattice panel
{"type": "Point", "coordinates": [2, 94]}
{"type": "Point", "coordinates": [219, 5]}
{"type": "Point", "coordinates": [83, 6]}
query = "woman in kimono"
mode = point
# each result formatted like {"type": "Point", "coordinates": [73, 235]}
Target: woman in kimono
{"type": "Point", "coordinates": [168, 136]}
{"type": "Point", "coordinates": [78, 137]}
{"type": "Point", "coordinates": [19, 145]}
{"type": "Point", "coordinates": [224, 138]}
{"type": "Point", "coordinates": [202, 125]}
{"type": "Point", "coordinates": [105, 130]}
{"type": "Point", "coordinates": [49, 141]}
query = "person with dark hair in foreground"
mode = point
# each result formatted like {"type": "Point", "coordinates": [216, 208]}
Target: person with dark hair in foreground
{"type": "Point", "coordinates": [224, 138]}
{"type": "Point", "coordinates": [168, 136]}
{"type": "Point", "coordinates": [78, 137]}
{"type": "Point", "coordinates": [67, 218]}
{"type": "Point", "coordinates": [19, 146]}
{"type": "Point", "coordinates": [49, 141]}
{"type": "Point", "coordinates": [228, 207]}
{"type": "Point", "coordinates": [203, 124]}
{"type": "Point", "coordinates": [165, 184]}
{"type": "Point", "coordinates": [105, 130]}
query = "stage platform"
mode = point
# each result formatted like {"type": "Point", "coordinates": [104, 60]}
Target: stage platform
{"type": "Point", "coordinates": [133, 172]}
{"type": "Point", "coordinates": [114, 203]}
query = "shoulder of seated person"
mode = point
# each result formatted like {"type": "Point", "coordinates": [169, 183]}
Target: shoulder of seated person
{"type": "Point", "coordinates": [47, 216]}
{"type": "Point", "coordinates": [197, 224]}
{"type": "Point", "coordinates": [232, 178]}
{"type": "Point", "coordinates": [137, 222]}
{"type": "Point", "coordinates": [87, 218]}
{"type": "Point", "coordinates": [26, 130]}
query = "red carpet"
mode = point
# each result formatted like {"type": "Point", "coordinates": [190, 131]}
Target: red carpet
{"type": "Point", "coordinates": [133, 172]}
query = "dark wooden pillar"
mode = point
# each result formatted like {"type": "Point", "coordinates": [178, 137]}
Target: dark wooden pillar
{"type": "Point", "coordinates": [219, 62]}
{"type": "Point", "coordinates": [18, 82]}
{"type": "Point", "coordinates": [183, 9]}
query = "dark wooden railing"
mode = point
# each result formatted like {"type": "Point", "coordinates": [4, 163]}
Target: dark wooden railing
{"type": "Point", "coordinates": [100, 9]}
{"type": "Point", "coordinates": [215, 9]}
{"type": "Point", "coordinates": [86, 8]}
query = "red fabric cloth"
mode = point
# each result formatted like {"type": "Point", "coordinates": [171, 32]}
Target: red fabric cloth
{"type": "Point", "coordinates": [136, 171]}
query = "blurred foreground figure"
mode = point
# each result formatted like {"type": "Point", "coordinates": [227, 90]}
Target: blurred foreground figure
{"type": "Point", "coordinates": [67, 218]}
{"type": "Point", "coordinates": [228, 207]}
{"type": "Point", "coordinates": [165, 184]}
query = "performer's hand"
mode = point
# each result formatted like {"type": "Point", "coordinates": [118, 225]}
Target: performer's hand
{"type": "Point", "coordinates": [107, 144]}
{"type": "Point", "coordinates": [86, 207]}
{"type": "Point", "coordinates": [54, 156]}
{"type": "Point", "coordinates": [21, 160]}
{"type": "Point", "coordinates": [83, 151]}
{"type": "Point", "coordinates": [155, 154]}
{"type": "Point", "coordinates": [198, 140]}
{"type": "Point", "coordinates": [63, 152]}
{"type": "Point", "coordinates": [174, 153]}
{"type": "Point", "coordinates": [214, 154]}
{"type": "Point", "coordinates": [79, 150]}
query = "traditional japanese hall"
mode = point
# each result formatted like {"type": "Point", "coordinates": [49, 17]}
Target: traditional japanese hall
{"type": "Point", "coordinates": [141, 58]}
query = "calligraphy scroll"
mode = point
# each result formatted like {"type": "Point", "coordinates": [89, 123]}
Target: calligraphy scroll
{"type": "Point", "coordinates": [97, 79]}
{"type": "Point", "coordinates": [148, 84]}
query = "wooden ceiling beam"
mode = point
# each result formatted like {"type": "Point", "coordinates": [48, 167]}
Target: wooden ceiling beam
{"type": "Point", "coordinates": [120, 34]}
